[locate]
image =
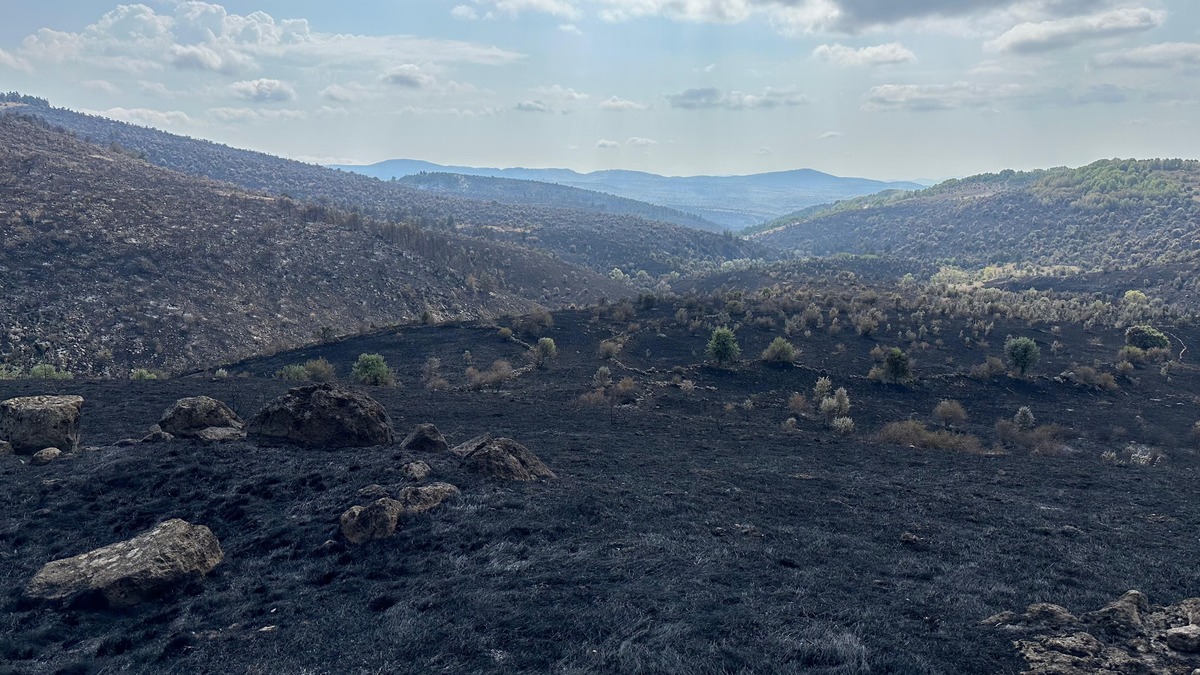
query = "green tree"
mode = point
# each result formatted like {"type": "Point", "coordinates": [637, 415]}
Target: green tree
{"type": "Point", "coordinates": [780, 351]}
{"type": "Point", "coordinates": [723, 347]}
{"type": "Point", "coordinates": [897, 367]}
{"type": "Point", "coordinates": [1023, 353]}
{"type": "Point", "coordinates": [372, 369]}
{"type": "Point", "coordinates": [1146, 337]}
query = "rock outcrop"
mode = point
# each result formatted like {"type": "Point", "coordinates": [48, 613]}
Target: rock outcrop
{"type": "Point", "coordinates": [425, 438]}
{"type": "Point", "coordinates": [417, 470]}
{"type": "Point", "coordinates": [1127, 636]}
{"type": "Point", "coordinates": [132, 571]}
{"type": "Point", "coordinates": [380, 518]}
{"type": "Point", "coordinates": [31, 423]}
{"type": "Point", "coordinates": [502, 458]}
{"type": "Point", "coordinates": [325, 416]}
{"type": "Point", "coordinates": [45, 456]}
{"type": "Point", "coordinates": [203, 418]}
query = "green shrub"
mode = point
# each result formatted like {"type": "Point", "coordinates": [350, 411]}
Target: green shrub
{"type": "Point", "coordinates": [842, 426]}
{"type": "Point", "coordinates": [544, 350]}
{"type": "Point", "coordinates": [1023, 353]}
{"type": "Point", "coordinates": [1146, 337]}
{"type": "Point", "coordinates": [292, 371]}
{"type": "Point", "coordinates": [897, 366]}
{"type": "Point", "coordinates": [949, 412]}
{"type": "Point", "coordinates": [10, 372]}
{"type": "Point", "coordinates": [373, 370]}
{"type": "Point", "coordinates": [992, 367]}
{"type": "Point", "coordinates": [723, 347]}
{"type": "Point", "coordinates": [602, 378]}
{"type": "Point", "coordinates": [779, 351]}
{"type": "Point", "coordinates": [505, 333]}
{"type": "Point", "coordinates": [822, 388]}
{"type": "Point", "coordinates": [46, 371]}
{"type": "Point", "coordinates": [143, 374]}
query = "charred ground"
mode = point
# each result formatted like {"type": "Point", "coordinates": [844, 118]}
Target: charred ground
{"type": "Point", "coordinates": [681, 536]}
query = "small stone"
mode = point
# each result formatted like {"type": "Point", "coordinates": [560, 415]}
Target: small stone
{"type": "Point", "coordinates": [6, 448]}
{"type": "Point", "coordinates": [376, 520]}
{"type": "Point", "coordinates": [416, 470]}
{"type": "Point", "coordinates": [45, 456]}
{"type": "Point", "coordinates": [1184, 639]}
{"type": "Point", "coordinates": [157, 435]}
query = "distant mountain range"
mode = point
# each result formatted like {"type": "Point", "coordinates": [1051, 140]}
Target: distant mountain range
{"type": "Point", "coordinates": [733, 202]}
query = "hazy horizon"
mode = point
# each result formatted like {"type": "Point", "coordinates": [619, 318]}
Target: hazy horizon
{"type": "Point", "coordinates": [919, 91]}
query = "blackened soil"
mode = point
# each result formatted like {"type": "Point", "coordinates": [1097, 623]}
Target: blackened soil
{"type": "Point", "coordinates": [679, 538]}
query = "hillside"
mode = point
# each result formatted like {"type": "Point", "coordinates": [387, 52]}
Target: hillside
{"type": "Point", "coordinates": [540, 193]}
{"type": "Point", "coordinates": [601, 241]}
{"type": "Point", "coordinates": [1109, 214]}
{"type": "Point", "coordinates": [692, 530]}
{"type": "Point", "coordinates": [111, 263]}
{"type": "Point", "coordinates": [734, 202]}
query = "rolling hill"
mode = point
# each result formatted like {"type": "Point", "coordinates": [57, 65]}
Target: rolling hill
{"type": "Point", "coordinates": [599, 240]}
{"type": "Point", "coordinates": [734, 202]}
{"type": "Point", "coordinates": [111, 263]}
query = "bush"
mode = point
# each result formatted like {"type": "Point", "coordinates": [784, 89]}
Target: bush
{"type": "Point", "coordinates": [10, 372]}
{"type": "Point", "coordinates": [798, 403]}
{"type": "Point", "coordinates": [505, 333]}
{"type": "Point", "coordinates": [842, 426]}
{"type": "Point", "coordinates": [822, 388]}
{"type": "Point", "coordinates": [625, 391]}
{"type": "Point", "coordinates": [610, 348]}
{"type": "Point", "coordinates": [1131, 354]}
{"type": "Point", "coordinates": [143, 374]}
{"type": "Point", "coordinates": [594, 398]}
{"type": "Point", "coordinates": [723, 347]}
{"type": "Point", "coordinates": [372, 369]}
{"type": "Point", "coordinates": [897, 367]}
{"type": "Point", "coordinates": [1146, 337]}
{"type": "Point", "coordinates": [914, 433]}
{"type": "Point", "coordinates": [544, 350]}
{"type": "Point", "coordinates": [992, 367]}
{"type": "Point", "coordinates": [837, 405]}
{"type": "Point", "coordinates": [431, 374]}
{"type": "Point", "coordinates": [1087, 376]}
{"type": "Point", "coordinates": [46, 371]}
{"type": "Point", "coordinates": [499, 372]}
{"type": "Point", "coordinates": [602, 378]}
{"type": "Point", "coordinates": [320, 370]}
{"type": "Point", "coordinates": [1024, 418]}
{"type": "Point", "coordinates": [292, 372]}
{"type": "Point", "coordinates": [949, 412]}
{"type": "Point", "coordinates": [779, 351]}
{"type": "Point", "coordinates": [1023, 353]}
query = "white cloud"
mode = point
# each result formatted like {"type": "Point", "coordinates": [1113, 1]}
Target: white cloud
{"type": "Point", "coordinates": [161, 119]}
{"type": "Point", "coordinates": [878, 55]}
{"type": "Point", "coordinates": [242, 115]}
{"type": "Point", "coordinates": [409, 75]}
{"type": "Point", "coordinates": [563, 8]}
{"type": "Point", "coordinates": [560, 93]}
{"type": "Point", "coordinates": [618, 104]}
{"type": "Point", "coordinates": [1031, 37]}
{"type": "Point", "coordinates": [344, 93]}
{"type": "Point", "coordinates": [464, 12]}
{"type": "Point", "coordinates": [926, 97]}
{"type": "Point", "coordinates": [830, 135]}
{"type": "Point", "coordinates": [605, 144]}
{"type": "Point", "coordinates": [532, 106]}
{"type": "Point", "coordinates": [13, 62]}
{"type": "Point", "coordinates": [570, 28]}
{"type": "Point", "coordinates": [1162, 55]}
{"type": "Point", "coordinates": [203, 57]}
{"type": "Point", "coordinates": [103, 86]}
{"type": "Point", "coordinates": [264, 90]}
{"type": "Point", "coordinates": [639, 142]}
{"type": "Point", "coordinates": [711, 97]}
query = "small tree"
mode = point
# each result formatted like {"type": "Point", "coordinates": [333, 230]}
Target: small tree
{"type": "Point", "coordinates": [949, 412]}
{"type": "Point", "coordinates": [544, 350]}
{"type": "Point", "coordinates": [723, 347]}
{"type": "Point", "coordinates": [897, 367]}
{"type": "Point", "coordinates": [372, 369]}
{"type": "Point", "coordinates": [1146, 337]}
{"type": "Point", "coordinates": [780, 351]}
{"type": "Point", "coordinates": [822, 388]}
{"type": "Point", "coordinates": [1024, 418]}
{"type": "Point", "coordinates": [1023, 353]}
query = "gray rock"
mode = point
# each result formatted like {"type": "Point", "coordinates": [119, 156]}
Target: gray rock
{"type": "Point", "coordinates": [416, 470]}
{"type": "Point", "coordinates": [425, 438]}
{"type": "Point", "coordinates": [502, 458]}
{"type": "Point", "coordinates": [220, 434]}
{"type": "Point", "coordinates": [6, 448]}
{"type": "Point", "coordinates": [190, 417]}
{"type": "Point", "coordinates": [376, 520]}
{"type": "Point", "coordinates": [45, 456]}
{"type": "Point", "coordinates": [31, 423]}
{"type": "Point", "coordinates": [1184, 639]}
{"type": "Point", "coordinates": [421, 499]}
{"type": "Point", "coordinates": [132, 571]}
{"type": "Point", "coordinates": [323, 416]}
{"type": "Point", "coordinates": [1121, 617]}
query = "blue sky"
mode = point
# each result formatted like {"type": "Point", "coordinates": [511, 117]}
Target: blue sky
{"type": "Point", "coordinates": [875, 88]}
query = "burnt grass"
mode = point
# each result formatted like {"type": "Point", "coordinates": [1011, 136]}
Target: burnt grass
{"type": "Point", "coordinates": [679, 538]}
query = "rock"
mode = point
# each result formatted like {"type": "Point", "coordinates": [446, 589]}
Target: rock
{"type": "Point", "coordinates": [421, 499]}
{"type": "Point", "coordinates": [323, 415]}
{"type": "Point", "coordinates": [503, 458]}
{"type": "Point", "coordinates": [45, 456]}
{"type": "Point", "coordinates": [373, 491]}
{"type": "Point", "coordinates": [191, 417]}
{"type": "Point", "coordinates": [1120, 617]}
{"type": "Point", "coordinates": [425, 438]}
{"type": "Point", "coordinates": [416, 470]}
{"type": "Point", "coordinates": [464, 449]}
{"type": "Point", "coordinates": [1047, 614]}
{"type": "Point", "coordinates": [31, 423]}
{"type": "Point", "coordinates": [376, 520]}
{"type": "Point", "coordinates": [220, 434]}
{"type": "Point", "coordinates": [6, 448]}
{"type": "Point", "coordinates": [126, 442]}
{"type": "Point", "coordinates": [132, 571]}
{"type": "Point", "coordinates": [157, 435]}
{"type": "Point", "coordinates": [1184, 639]}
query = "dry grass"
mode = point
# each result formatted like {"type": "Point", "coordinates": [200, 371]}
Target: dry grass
{"type": "Point", "coordinates": [914, 433]}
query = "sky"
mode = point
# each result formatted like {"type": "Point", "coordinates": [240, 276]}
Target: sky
{"type": "Point", "coordinates": [888, 89]}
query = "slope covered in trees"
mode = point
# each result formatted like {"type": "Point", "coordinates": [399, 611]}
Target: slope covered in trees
{"type": "Point", "coordinates": [601, 241]}
{"type": "Point", "coordinates": [111, 263]}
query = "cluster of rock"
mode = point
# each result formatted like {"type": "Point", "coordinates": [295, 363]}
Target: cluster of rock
{"type": "Point", "coordinates": [318, 416]}
{"type": "Point", "coordinates": [1126, 637]}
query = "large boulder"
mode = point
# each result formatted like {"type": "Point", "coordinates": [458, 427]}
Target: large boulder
{"type": "Point", "coordinates": [502, 458]}
{"type": "Point", "coordinates": [201, 417]}
{"type": "Point", "coordinates": [323, 415]}
{"type": "Point", "coordinates": [31, 423]}
{"type": "Point", "coordinates": [132, 571]}
{"type": "Point", "coordinates": [421, 499]}
{"type": "Point", "coordinates": [425, 438]}
{"type": "Point", "coordinates": [376, 520]}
